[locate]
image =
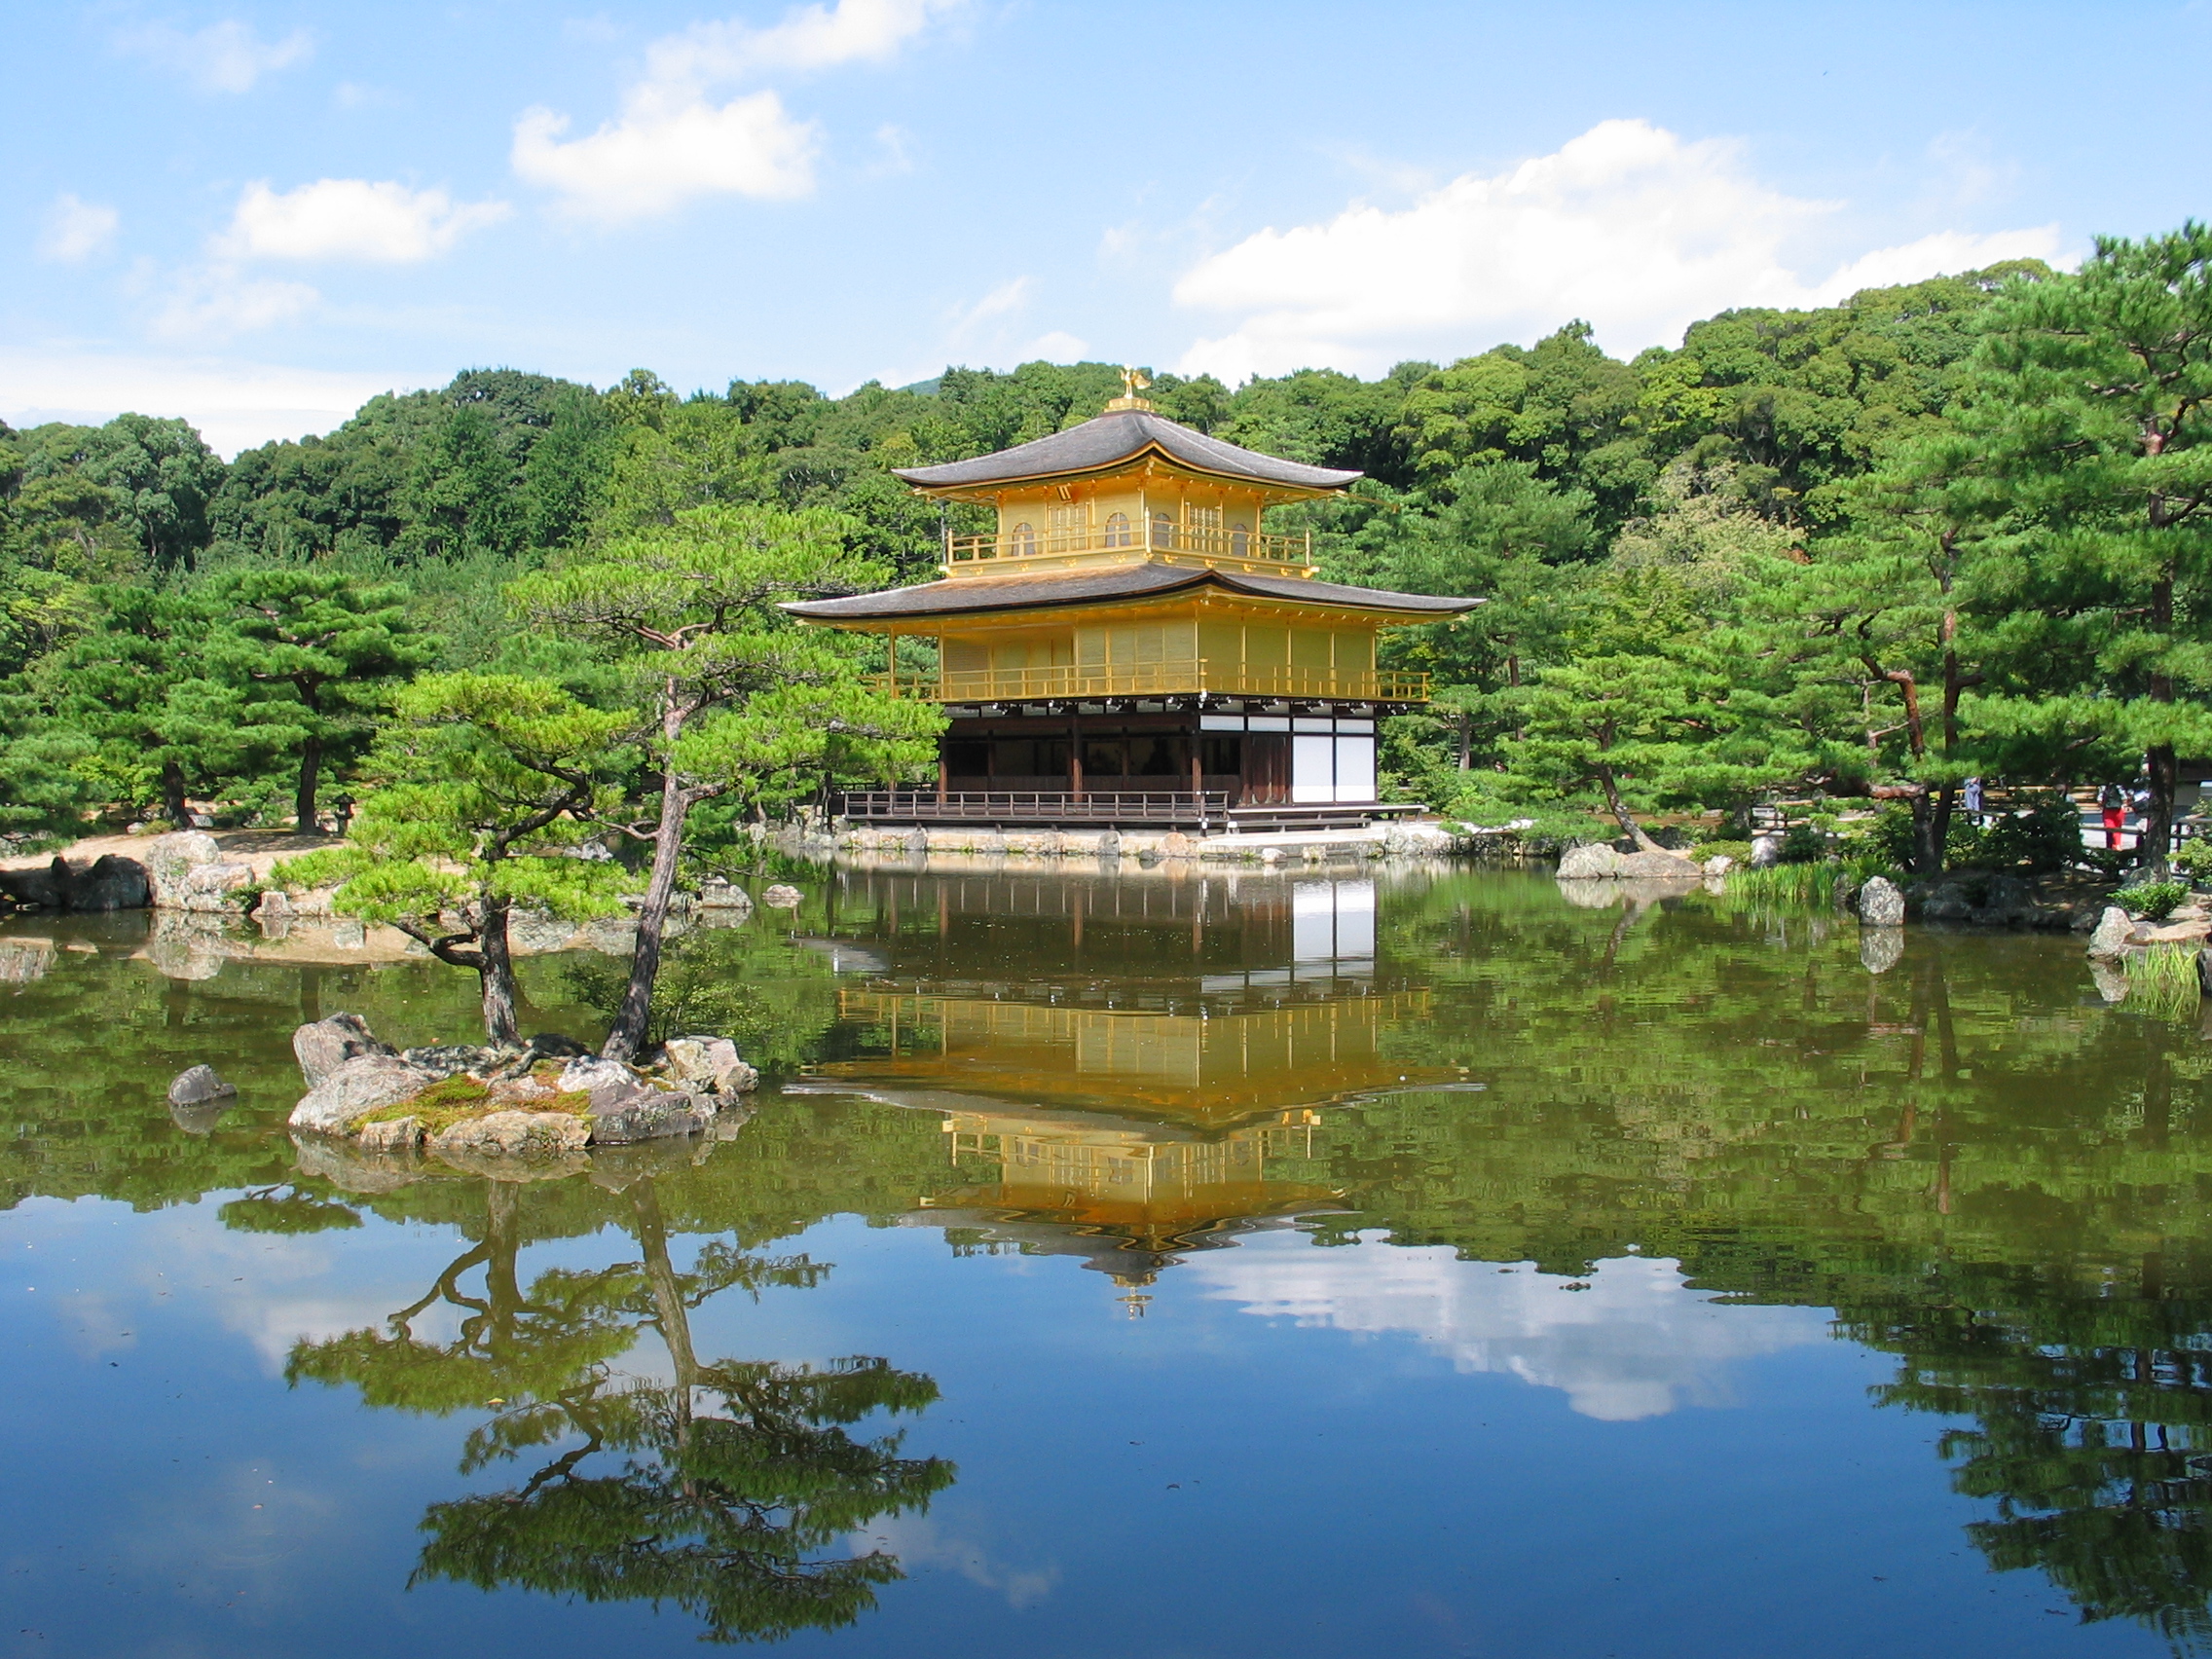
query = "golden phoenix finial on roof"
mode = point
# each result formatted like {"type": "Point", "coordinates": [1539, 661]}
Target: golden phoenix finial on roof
{"type": "Point", "coordinates": [1134, 381]}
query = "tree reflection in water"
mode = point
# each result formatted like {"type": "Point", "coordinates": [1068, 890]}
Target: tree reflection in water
{"type": "Point", "coordinates": [717, 1492]}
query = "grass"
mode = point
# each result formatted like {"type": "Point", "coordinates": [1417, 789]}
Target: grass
{"type": "Point", "coordinates": [2162, 981]}
{"type": "Point", "coordinates": [1796, 883]}
{"type": "Point", "coordinates": [459, 1097]}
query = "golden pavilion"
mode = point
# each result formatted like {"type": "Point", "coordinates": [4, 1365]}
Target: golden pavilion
{"type": "Point", "coordinates": [1132, 645]}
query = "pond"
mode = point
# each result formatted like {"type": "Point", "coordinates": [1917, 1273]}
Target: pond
{"type": "Point", "coordinates": [1138, 1262]}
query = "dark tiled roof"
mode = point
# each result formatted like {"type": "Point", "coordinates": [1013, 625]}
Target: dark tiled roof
{"type": "Point", "coordinates": [973, 594]}
{"type": "Point", "coordinates": [1117, 436]}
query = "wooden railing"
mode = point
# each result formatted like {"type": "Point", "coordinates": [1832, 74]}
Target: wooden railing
{"type": "Point", "coordinates": [1185, 675]}
{"type": "Point", "coordinates": [1210, 543]}
{"type": "Point", "coordinates": [1201, 810]}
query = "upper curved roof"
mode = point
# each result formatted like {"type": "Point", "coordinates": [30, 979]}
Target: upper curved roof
{"type": "Point", "coordinates": [1116, 436]}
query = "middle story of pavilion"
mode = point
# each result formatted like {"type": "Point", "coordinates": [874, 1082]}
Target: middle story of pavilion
{"type": "Point", "coordinates": [1132, 630]}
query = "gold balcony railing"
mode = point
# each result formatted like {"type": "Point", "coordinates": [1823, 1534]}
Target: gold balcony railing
{"type": "Point", "coordinates": [1149, 678]}
{"type": "Point", "coordinates": [1199, 543]}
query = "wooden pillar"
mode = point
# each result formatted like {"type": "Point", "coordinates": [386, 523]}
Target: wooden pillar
{"type": "Point", "coordinates": [1074, 755]}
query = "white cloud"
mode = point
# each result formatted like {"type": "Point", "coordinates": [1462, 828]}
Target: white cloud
{"type": "Point", "coordinates": [1636, 1342]}
{"type": "Point", "coordinates": [1627, 225]}
{"type": "Point", "coordinates": [223, 58]}
{"type": "Point", "coordinates": [674, 142]}
{"type": "Point", "coordinates": [236, 403]}
{"type": "Point", "coordinates": [350, 218]}
{"type": "Point", "coordinates": [662, 153]}
{"type": "Point", "coordinates": [1057, 347]}
{"type": "Point", "coordinates": [216, 302]}
{"type": "Point", "coordinates": [76, 230]}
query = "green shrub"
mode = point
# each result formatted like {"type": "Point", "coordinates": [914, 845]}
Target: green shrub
{"type": "Point", "coordinates": [2047, 836]}
{"type": "Point", "coordinates": [1803, 843]}
{"type": "Point", "coordinates": [2153, 901]}
{"type": "Point", "coordinates": [1739, 851]}
{"type": "Point", "coordinates": [2194, 860]}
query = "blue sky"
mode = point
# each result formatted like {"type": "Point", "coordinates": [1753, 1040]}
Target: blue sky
{"type": "Point", "coordinates": [258, 214]}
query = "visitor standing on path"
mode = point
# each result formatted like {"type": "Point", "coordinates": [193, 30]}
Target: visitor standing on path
{"type": "Point", "coordinates": [2114, 799]}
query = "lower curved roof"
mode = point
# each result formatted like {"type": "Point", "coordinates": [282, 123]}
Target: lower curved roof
{"type": "Point", "coordinates": [978, 595]}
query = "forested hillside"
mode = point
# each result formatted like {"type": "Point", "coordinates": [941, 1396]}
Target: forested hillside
{"type": "Point", "coordinates": [1940, 530]}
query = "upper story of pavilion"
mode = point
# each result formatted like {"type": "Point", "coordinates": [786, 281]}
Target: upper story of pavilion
{"type": "Point", "coordinates": [1131, 559]}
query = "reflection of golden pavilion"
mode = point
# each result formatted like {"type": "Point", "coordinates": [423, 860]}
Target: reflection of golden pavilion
{"type": "Point", "coordinates": [1126, 1135]}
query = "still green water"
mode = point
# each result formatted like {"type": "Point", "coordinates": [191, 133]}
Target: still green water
{"type": "Point", "coordinates": [1136, 1264]}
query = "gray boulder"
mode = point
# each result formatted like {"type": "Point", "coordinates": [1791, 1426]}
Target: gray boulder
{"type": "Point", "coordinates": [605, 1082]}
{"type": "Point", "coordinates": [448, 1059]}
{"type": "Point", "coordinates": [199, 1084]}
{"type": "Point", "coordinates": [390, 1134]}
{"type": "Point", "coordinates": [2109, 942]}
{"type": "Point", "coordinates": [329, 1044]}
{"type": "Point", "coordinates": [1596, 862]}
{"type": "Point", "coordinates": [113, 883]}
{"type": "Point", "coordinates": [651, 1114]}
{"type": "Point", "coordinates": [1720, 863]}
{"type": "Point", "coordinates": [187, 871]}
{"type": "Point", "coordinates": [1655, 866]}
{"type": "Point", "coordinates": [357, 1088]}
{"type": "Point", "coordinates": [45, 888]}
{"type": "Point", "coordinates": [1766, 852]}
{"type": "Point", "coordinates": [1880, 904]}
{"type": "Point", "coordinates": [783, 897]}
{"type": "Point", "coordinates": [514, 1133]}
{"type": "Point", "coordinates": [699, 1060]}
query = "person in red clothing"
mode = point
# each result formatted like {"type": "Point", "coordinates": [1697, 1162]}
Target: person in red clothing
{"type": "Point", "coordinates": [2114, 799]}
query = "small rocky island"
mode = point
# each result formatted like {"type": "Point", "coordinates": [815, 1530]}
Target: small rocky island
{"type": "Point", "coordinates": [543, 1096]}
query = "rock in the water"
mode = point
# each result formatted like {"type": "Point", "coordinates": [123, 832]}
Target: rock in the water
{"type": "Point", "coordinates": [112, 884]}
{"type": "Point", "coordinates": [357, 1088]}
{"type": "Point", "coordinates": [739, 1079]}
{"type": "Point", "coordinates": [1767, 851]}
{"type": "Point", "coordinates": [1880, 904]}
{"type": "Point", "coordinates": [2109, 940]}
{"type": "Point", "coordinates": [329, 1044]}
{"type": "Point", "coordinates": [1880, 948]}
{"type": "Point", "coordinates": [603, 1081]}
{"type": "Point", "coordinates": [1720, 863]}
{"type": "Point", "coordinates": [650, 1115]}
{"type": "Point", "coordinates": [514, 1133]}
{"type": "Point", "coordinates": [715, 894]}
{"type": "Point", "coordinates": [196, 1085]}
{"type": "Point", "coordinates": [187, 871]}
{"type": "Point", "coordinates": [23, 960]}
{"type": "Point", "coordinates": [783, 897]}
{"type": "Point", "coordinates": [390, 1134]}
{"type": "Point", "coordinates": [699, 1060]}
{"type": "Point", "coordinates": [274, 908]}
{"type": "Point", "coordinates": [1654, 866]}
{"type": "Point", "coordinates": [448, 1059]}
{"type": "Point", "coordinates": [45, 888]}
{"type": "Point", "coordinates": [1593, 863]}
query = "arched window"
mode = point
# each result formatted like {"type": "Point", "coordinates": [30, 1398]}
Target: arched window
{"type": "Point", "coordinates": [1021, 541]}
{"type": "Point", "coordinates": [1118, 531]}
{"type": "Point", "coordinates": [1240, 540]}
{"type": "Point", "coordinates": [1163, 531]}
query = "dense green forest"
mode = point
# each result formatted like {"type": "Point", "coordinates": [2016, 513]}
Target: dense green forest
{"type": "Point", "coordinates": [1939, 530]}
